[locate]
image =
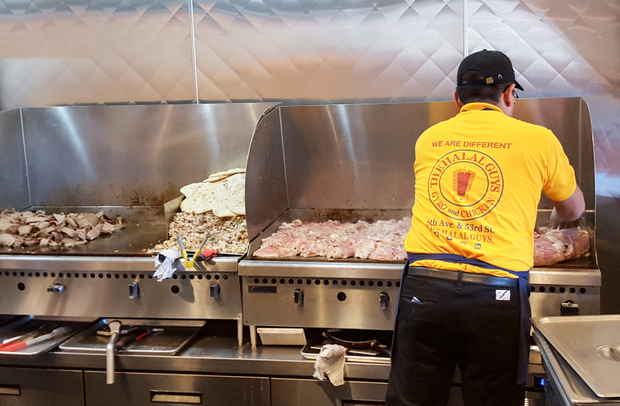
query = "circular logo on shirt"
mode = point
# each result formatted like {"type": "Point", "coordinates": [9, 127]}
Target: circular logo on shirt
{"type": "Point", "coordinates": [465, 184]}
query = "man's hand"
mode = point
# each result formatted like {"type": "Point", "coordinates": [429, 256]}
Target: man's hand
{"type": "Point", "coordinates": [555, 221]}
{"type": "Point", "coordinates": [567, 213]}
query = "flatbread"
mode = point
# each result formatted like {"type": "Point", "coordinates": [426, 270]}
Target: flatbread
{"type": "Point", "coordinates": [202, 198]}
{"type": "Point", "coordinates": [215, 177]}
{"type": "Point", "coordinates": [221, 210]}
{"type": "Point", "coordinates": [223, 193]}
{"type": "Point", "coordinates": [235, 198]}
{"type": "Point", "coordinates": [188, 190]}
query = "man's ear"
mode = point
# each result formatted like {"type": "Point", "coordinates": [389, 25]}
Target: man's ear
{"type": "Point", "coordinates": [507, 96]}
{"type": "Point", "coordinates": [458, 101]}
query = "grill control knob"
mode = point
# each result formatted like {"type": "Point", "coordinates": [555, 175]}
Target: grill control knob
{"type": "Point", "coordinates": [384, 300]}
{"type": "Point", "coordinates": [298, 297]}
{"type": "Point", "coordinates": [134, 290]}
{"type": "Point", "coordinates": [214, 290]}
{"type": "Point", "coordinates": [56, 288]}
{"type": "Point", "coordinates": [569, 308]}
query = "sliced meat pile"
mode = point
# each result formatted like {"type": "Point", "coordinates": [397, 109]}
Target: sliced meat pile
{"type": "Point", "coordinates": [382, 240]}
{"type": "Point", "coordinates": [27, 228]}
{"type": "Point", "coordinates": [226, 234]}
{"type": "Point", "coordinates": [554, 245]}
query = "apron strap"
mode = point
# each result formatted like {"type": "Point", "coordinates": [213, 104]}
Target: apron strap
{"type": "Point", "coordinates": [459, 259]}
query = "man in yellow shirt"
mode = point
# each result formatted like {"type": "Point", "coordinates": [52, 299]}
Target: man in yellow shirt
{"type": "Point", "coordinates": [464, 295]}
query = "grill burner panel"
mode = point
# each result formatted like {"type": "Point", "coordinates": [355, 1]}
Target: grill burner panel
{"type": "Point", "coordinates": [320, 303]}
{"type": "Point", "coordinates": [188, 295]}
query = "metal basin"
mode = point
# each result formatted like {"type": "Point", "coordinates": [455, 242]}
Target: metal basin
{"type": "Point", "coordinates": [590, 345]}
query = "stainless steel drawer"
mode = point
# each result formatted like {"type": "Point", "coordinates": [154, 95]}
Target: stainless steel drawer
{"type": "Point", "coordinates": [141, 389]}
{"type": "Point", "coordinates": [40, 387]}
{"type": "Point", "coordinates": [308, 392]}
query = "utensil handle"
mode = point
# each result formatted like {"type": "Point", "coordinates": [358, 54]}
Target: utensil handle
{"type": "Point", "coordinates": [14, 346]}
{"type": "Point", "coordinates": [109, 358]}
{"type": "Point", "coordinates": [127, 339]}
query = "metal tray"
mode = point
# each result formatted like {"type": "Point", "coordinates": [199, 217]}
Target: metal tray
{"type": "Point", "coordinates": [563, 386]}
{"type": "Point", "coordinates": [590, 345]}
{"type": "Point", "coordinates": [27, 324]}
{"type": "Point", "coordinates": [381, 356]}
{"type": "Point", "coordinates": [175, 335]}
{"type": "Point", "coordinates": [359, 351]}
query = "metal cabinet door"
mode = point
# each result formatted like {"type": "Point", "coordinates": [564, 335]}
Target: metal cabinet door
{"type": "Point", "coordinates": [40, 387]}
{"type": "Point", "coordinates": [306, 392]}
{"type": "Point", "coordinates": [142, 389]}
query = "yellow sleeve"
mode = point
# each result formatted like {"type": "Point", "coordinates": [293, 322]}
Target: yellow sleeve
{"type": "Point", "coordinates": [560, 182]}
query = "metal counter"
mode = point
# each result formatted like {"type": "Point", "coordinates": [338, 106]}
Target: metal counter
{"type": "Point", "coordinates": [206, 355]}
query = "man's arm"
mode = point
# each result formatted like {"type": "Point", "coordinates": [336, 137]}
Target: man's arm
{"type": "Point", "coordinates": [569, 210]}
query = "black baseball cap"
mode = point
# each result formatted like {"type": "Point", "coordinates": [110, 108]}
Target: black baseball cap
{"type": "Point", "coordinates": [494, 65]}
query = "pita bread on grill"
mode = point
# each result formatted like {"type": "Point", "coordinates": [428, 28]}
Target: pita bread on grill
{"type": "Point", "coordinates": [215, 177]}
{"type": "Point", "coordinates": [224, 196]}
{"type": "Point", "coordinates": [201, 199]}
{"type": "Point", "coordinates": [188, 190]}
{"type": "Point", "coordinates": [235, 198]}
{"type": "Point", "coordinates": [221, 210]}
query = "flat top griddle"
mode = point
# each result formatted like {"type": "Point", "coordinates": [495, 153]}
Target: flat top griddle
{"type": "Point", "coordinates": [371, 216]}
{"type": "Point", "coordinates": [145, 226]}
{"type": "Point", "coordinates": [322, 215]}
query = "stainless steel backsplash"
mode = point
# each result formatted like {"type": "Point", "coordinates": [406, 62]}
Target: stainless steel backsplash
{"type": "Point", "coordinates": [81, 52]}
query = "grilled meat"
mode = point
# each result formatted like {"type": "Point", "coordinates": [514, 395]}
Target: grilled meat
{"type": "Point", "coordinates": [226, 234]}
{"type": "Point", "coordinates": [27, 228]}
{"type": "Point", "coordinates": [382, 240]}
{"type": "Point", "coordinates": [554, 245]}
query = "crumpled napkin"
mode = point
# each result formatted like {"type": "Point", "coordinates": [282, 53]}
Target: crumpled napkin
{"type": "Point", "coordinates": [165, 260]}
{"type": "Point", "coordinates": [330, 361]}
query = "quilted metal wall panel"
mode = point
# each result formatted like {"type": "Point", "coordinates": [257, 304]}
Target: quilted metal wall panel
{"type": "Point", "coordinates": [327, 50]}
{"type": "Point", "coordinates": [55, 52]}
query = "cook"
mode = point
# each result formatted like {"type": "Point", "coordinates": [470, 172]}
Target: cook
{"type": "Point", "coordinates": [464, 301]}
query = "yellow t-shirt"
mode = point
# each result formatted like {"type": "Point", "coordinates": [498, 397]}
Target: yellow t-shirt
{"type": "Point", "coordinates": [479, 177]}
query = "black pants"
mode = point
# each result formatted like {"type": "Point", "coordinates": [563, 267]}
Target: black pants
{"type": "Point", "coordinates": [444, 323]}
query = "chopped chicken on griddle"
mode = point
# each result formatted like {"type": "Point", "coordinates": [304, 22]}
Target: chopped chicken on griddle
{"type": "Point", "coordinates": [226, 234]}
{"type": "Point", "coordinates": [213, 207]}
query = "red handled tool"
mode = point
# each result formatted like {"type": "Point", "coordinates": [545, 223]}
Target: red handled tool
{"type": "Point", "coordinates": [137, 335]}
{"type": "Point", "coordinates": [206, 255]}
{"type": "Point", "coordinates": [23, 337]}
{"type": "Point", "coordinates": [14, 346]}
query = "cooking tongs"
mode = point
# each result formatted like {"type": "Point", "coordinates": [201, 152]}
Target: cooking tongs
{"type": "Point", "coordinates": [191, 258]}
{"type": "Point", "coordinates": [43, 333]}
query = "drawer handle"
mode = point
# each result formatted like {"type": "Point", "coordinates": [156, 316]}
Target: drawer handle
{"type": "Point", "coordinates": [189, 398]}
{"type": "Point", "coordinates": [10, 390]}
